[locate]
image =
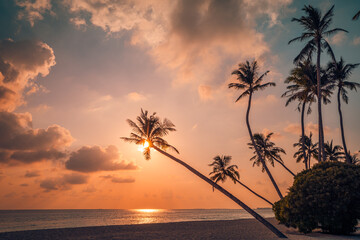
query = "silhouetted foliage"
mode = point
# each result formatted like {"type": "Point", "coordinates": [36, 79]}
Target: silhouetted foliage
{"type": "Point", "coordinates": [222, 171]}
{"type": "Point", "coordinates": [268, 151]}
{"type": "Point", "coordinates": [150, 129]}
{"type": "Point", "coordinates": [326, 196]}
{"type": "Point", "coordinates": [338, 73]}
{"type": "Point", "coordinates": [316, 32]}
{"type": "Point", "coordinates": [333, 152]}
{"type": "Point", "coordinates": [310, 150]}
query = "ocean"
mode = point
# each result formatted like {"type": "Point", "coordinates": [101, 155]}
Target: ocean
{"type": "Point", "coordinates": [19, 220]}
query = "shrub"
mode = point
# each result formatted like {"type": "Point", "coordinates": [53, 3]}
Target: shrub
{"type": "Point", "coordinates": [326, 196]}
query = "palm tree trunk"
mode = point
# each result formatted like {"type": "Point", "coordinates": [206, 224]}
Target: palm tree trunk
{"type": "Point", "coordinates": [303, 133]}
{"type": "Point", "coordinates": [257, 150]}
{"type": "Point", "coordinates": [342, 128]}
{"type": "Point", "coordinates": [321, 133]}
{"type": "Point", "coordinates": [226, 193]}
{"type": "Point", "coordinates": [282, 164]}
{"type": "Point", "coordinates": [254, 192]}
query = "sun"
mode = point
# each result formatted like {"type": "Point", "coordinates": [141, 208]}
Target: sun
{"type": "Point", "coordinates": [142, 148]}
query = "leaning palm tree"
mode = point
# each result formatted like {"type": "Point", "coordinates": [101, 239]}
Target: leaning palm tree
{"type": "Point", "coordinates": [149, 132]}
{"type": "Point", "coordinates": [339, 72]}
{"type": "Point", "coordinates": [250, 82]}
{"type": "Point", "coordinates": [310, 150]}
{"type": "Point", "coordinates": [333, 152]}
{"type": "Point", "coordinates": [221, 171]}
{"type": "Point", "coordinates": [268, 151]}
{"type": "Point", "coordinates": [316, 31]}
{"type": "Point", "coordinates": [303, 88]}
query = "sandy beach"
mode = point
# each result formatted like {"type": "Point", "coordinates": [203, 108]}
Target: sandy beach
{"type": "Point", "coordinates": [230, 229]}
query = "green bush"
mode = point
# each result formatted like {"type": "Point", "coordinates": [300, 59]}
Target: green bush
{"type": "Point", "coordinates": [326, 197]}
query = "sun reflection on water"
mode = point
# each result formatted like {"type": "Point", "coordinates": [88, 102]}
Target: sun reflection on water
{"type": "Point", "coordinates": [148, 210]}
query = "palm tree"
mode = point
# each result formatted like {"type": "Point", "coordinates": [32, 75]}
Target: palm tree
{"type": "Point", "coordinates": [310, 150]}
{"type": "Point", "coordinates": [333, 153]}
{"type": "Point", "coordinates": [356, 16]}
{"type": "Point", "coordinates": [316, 30]}
{"type": "Point", "coordinates": [268, 151]}
{"type": "Point", "coordinates": [250, 82]}
{"type": "Point", "coordinates": [339, 72]}
{"type": "Point", "coordinates": [303, 88]}
{"type": "Point", "coordinates": [221, 171]}
{"type": "Point", "coordinates": [149, 132]}
{"type": "Point", "coordinates": [354, 158]}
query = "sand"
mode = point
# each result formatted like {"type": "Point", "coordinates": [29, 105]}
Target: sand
{"type": "Point", "coordinates": [229, 229]}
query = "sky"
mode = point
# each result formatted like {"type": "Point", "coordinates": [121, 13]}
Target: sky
{"type": "Point", "coordinates": [72, 72]}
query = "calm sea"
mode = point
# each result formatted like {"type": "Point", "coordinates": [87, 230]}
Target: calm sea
{"type": "Point", "coordinates": [18, 220]}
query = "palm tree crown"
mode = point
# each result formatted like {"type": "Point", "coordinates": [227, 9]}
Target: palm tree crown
{"type": "Point", "coordinates": [221, 170]}
{"type": "Point", "coordinates": [333, 152]}
{"type": "Point", "coordinates": [247, 74]}
{"type": "Point", "coordinates": [303, 86]}
{"type": "Point", "coordinates": [150, 130]}
{"type": "Point", "coordinates": [316, 31]}
{"type": "Point", "coordinates": [339, 72]}
{"type": "Point", "coordinates": [310, 150]}
{"type": "Point", "coordinates": [267, 150]}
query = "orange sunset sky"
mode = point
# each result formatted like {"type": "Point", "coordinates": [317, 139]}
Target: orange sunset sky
{"type": "Point", "coordinates": [72, 72]}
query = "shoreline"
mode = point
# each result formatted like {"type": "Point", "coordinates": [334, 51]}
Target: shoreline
{"type": "Point", "coordinates": [220, 229]}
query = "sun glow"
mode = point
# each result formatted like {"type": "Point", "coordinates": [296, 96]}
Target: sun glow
{"type": "Point", "coordinates": [142, 148]}
{"type": "Point", "coordinates": [147, 210]}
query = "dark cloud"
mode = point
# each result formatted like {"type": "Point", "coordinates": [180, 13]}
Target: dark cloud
{"type": "Point", "coordinates": [31, 174]}
{"type": "Point", "coordinates": [95, 158]}
{"type": "Point", "coordinates": [24, 185]}
{"type": "Point", "coordinates": [64, 182]}
{"type": "Point", "coordinates": [20, 62]}
{"type": "Point", "coordinates": [116, 179]}
{"type": "Point", "coordinates": [21, 143]}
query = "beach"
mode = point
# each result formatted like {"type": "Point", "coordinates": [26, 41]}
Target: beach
{"type": "Point", "coordinates": [227, 229]}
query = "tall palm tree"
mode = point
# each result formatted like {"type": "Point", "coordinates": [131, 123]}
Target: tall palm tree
{"type": "Point", "coordinates": [356, 16]}
{"type": "Point", "coordinates": [339, 72]}
{"type": "Point", "coordinates": [149, 132]}
{"type": "Point", "coordinates": [316, 30]}
{"type": "Point", "coordinates": [221, 171]}
{"type": "Point", "coordinates": [250, 82]}
{"type": "Point", "coordinates": [333, 152]}
{"type": "Point", "coordinates": [268, 151]}
{"type": "Point", "coordinates": [303, 88]}
{"type": "Point", "coordinates": [310, 150]}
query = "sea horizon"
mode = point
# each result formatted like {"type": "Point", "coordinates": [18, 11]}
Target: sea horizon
{"type": "Point", "coordinates": [36, 219]}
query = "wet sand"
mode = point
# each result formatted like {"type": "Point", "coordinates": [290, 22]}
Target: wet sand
{"type": "Point", "coordinates": [229, 229]}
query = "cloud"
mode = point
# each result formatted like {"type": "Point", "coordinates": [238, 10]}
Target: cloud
{"type": "Point", "coordinates": [191, 38]}
{"type": "Point", "coordinates": [135, 97]}
{"type": "Point", "coordinates": [33, 10]}
{"type": "Point", "coordinates": [20, 63]}
{"type": "Point", "coordinates": [95, 158]}
{"type": "Point", "coordinates": [116, 179]}
{"type": "Point", "coordinates": [22, 143]}
{"type": "Point", "coordinates": [338, 38]}
{"type": "Point", "coordinates": [123, 180]}
{"type": "Point", "coordinates": [31, 174]}
{"type": "Point", "coordinates": [295, 128]}
{"type": "Point", "coordinates": [276, 135]}
{"type": "Point", "coordinates": [205, 92]}
{"type": "Point", "coordinates": [356, 41]}
{"type": "Point", "coordinates": [24, 185]}
{"type": "Point", "coordinates": [64, 182]}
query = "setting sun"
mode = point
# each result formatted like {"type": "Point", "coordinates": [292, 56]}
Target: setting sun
{"type": "Point", "coordinates": [141, 148]}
